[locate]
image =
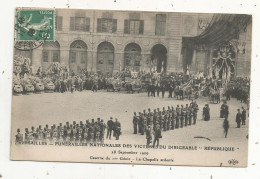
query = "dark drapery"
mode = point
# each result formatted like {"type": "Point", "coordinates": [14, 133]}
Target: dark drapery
{"type": "Point", "coordinates": [223, 27]}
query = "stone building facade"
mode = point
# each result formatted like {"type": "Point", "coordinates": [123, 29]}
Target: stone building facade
{"type": "Point", "coordinates": [109, 41]}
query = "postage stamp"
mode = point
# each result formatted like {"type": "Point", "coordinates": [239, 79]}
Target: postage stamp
{"type": "Point", "coordinates": [35, 25]}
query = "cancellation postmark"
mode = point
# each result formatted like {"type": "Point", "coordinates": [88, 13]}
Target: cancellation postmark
{"type": "Point", "coordinates": [33, 27]}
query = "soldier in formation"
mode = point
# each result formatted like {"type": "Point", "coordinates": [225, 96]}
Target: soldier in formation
{"type": "Point", "coordinates": [91, 131]}
{"type": "Point", "coordinates": [164, 120]}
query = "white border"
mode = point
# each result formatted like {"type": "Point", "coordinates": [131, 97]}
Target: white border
{"type": "Point", "coordinates": [13, 169]}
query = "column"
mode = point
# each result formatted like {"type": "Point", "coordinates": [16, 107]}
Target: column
{"type": "Point", "coordinates": [93, 61]}
{"type": "Point", "coordinates": [118, 61]}
{"type": "Point", "coordinates": [64, 56]}
{"type": "Point", "coordinates": [36, 59]}
{"type": "Point", "coordinates": [193, 66]}
{"type": "Point", "coordinates": [145, 62]}
{"type": "Point", "coordinates": [174, 58]}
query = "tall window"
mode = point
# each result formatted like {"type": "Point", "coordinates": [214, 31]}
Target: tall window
{"type": "Point", "coordinates": [83, 57]}
{"type": "Point", "coordinates": [73, 57]}
{"type": "Point", "coordinates": [133, 26]}
{"type": "Point", "coordinates": [45, 56]}
{"type": "Point", "coordinates": [160, 24]}
{"type": "Point", "coordinates": [80, 24]}
{"type": "Point", "coordinates": [133, 57]}
{"type": "Point", "coordinates": [106, 25]}
{"type": "Point", "coordinates": [55, 56]}
{"type": "Point", "coordinates": [59, 23]}
{"type": "Point", "coordinates": [51, 52]}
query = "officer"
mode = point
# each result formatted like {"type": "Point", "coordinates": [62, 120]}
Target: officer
{"type": "Point", "coordinates": [158, 86]}
{"type": "Point", "coordinates": [157, 135]}
{"type": "Point", "coordinates": [226, 126]}
{"type": "Point", "coordinates": [171, 88]}
{"type": "Point", "coordinates": [148, 135]}
{"type": "Point", "coordinates": [163, 87]}
{"type": "Point", "coordinates": [110, 127]}
{"type": "Point", "coordinates": [135, 122]}
{"type": "Point", "coordinates": [102, 131]}
{"type": "Point", "coordinates": [238, 118]}
{"type": "Point", "coordinates": [117, 129]}
{"type": "Point", "coordinates": [243, 116]}
{"type": "Point", "coordinates": [195, 111]}
{"type": "Point", "coordinates": [224, 111]}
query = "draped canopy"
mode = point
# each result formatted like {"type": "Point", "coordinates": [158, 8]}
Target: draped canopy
{"type": "Point", "coordinates": [223, 27]}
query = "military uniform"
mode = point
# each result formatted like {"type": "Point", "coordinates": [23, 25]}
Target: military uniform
{"type": "Point", "coordinates": [148, 135]}
{"type": "Point", "coordinates": [243, 116]}
{"type": "Point", "coordinates": [18, 137]}
{"type": "Point", "coordinates": [195, 112]}
{"type": "Point", "coordinates": [238, 118]}
{"type": "Point", "coordinates": [157, 136]}
{"type": "Point", "coordinates": [178, 116]}
{"type": "Point", "coordinates": [117, 129]}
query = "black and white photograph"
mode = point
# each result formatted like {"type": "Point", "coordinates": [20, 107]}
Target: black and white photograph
{"type": "Point", "coordinates": [133, 87]}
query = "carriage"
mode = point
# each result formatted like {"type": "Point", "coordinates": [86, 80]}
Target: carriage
{"type": "Point", "coordinates": [114, 84]}
{"type": "Point", "coordinates": [133, 85]}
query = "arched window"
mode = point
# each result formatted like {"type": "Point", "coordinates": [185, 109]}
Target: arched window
{"type": "Point", "coordinates": [132, 57]}
{"type": "Point", "coordinates": [51, 52]}
{"type": "Point", "coordinates": [159, 57]}
{"type": "Point", "coordinates": [105, 57]}
{"type": "Point", "coordinates": [78, 56]}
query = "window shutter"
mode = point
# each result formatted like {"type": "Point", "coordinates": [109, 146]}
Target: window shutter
{"type": "Point", "coordinates": [126, 27]}
{"type": "Point", "coordinates": [99, 24]}
{"type": "Point", "coordinates": [87, 25]}
{"type": "Point", "coordinates": [114, 25]}
{"type": "Point", "coordinates": [72, 23]}
{"type": "Point", "coordinates": [141, 27]}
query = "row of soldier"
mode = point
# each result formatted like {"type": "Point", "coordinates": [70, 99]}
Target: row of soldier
{"type": "Point", "coordinates": [166, 119]}
{"type": "Point", "coordinates": [93, 132]}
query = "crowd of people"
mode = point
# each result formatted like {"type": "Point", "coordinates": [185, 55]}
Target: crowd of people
{"type": "Point", "coordinates": [88, 132]}
{"type": "Point", "coordinates": [177, 84]}
{"type": "Point", "coordinates": [148, 122]}
{"type": "Point", "coordinates": [239, 88]}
